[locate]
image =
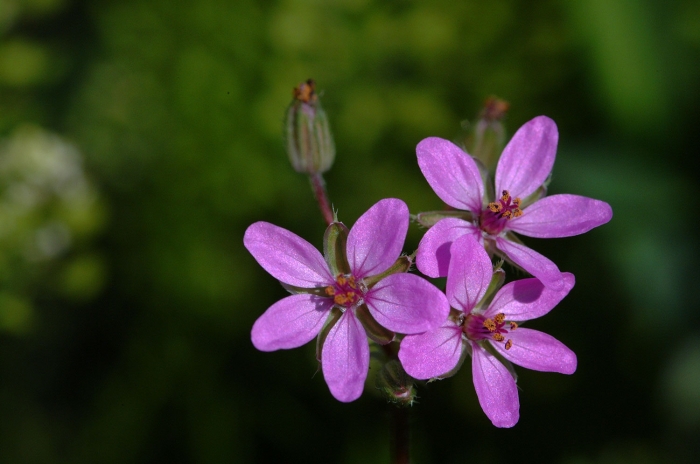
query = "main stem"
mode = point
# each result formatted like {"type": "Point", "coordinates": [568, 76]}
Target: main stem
{"type": "Point", "coordinates": [399, 439]}
{"type": "Point", "coordinates": [319, 188]}
{"type": "Point", "coordinates": [399, 427]}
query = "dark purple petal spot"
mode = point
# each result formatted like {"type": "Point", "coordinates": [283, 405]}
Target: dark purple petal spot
{"type": "Point", "coordinates": [476, 327]}
{"type": "Point", "coordinates": [346, 291]}
{"type": "Point", "coordinates": [493, 218]}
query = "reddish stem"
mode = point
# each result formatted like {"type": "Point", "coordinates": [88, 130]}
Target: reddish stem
{"type": "Point", "coordinates": [319, 188]}
{"type": "Point", "coordinates": [400, 435]}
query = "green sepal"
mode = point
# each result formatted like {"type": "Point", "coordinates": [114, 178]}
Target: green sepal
{"type": "Point", "coordinates": [538, 194]}
{"type": "Point", "coordinates": [430, 218]}
{"type": "Point", "coordinates": [331, 321]}
{"type": "Point", "coordinates": [510, 236]}
{"type": "Point", "coordinates": [334, 245]}
{"type": "Point", "coordinates": [376, 332]}
{"type": "Point", "coordinates": [318, 291]}
{"type": "Point", "coordinates": [395, 384]}
{"type": "Point", "coordinates": [489, 140]}
{"type": "Point", "coordinates": [403, 264]}
{"type": "Point", "coordinates": [308, 136]}
{"type": "Point", "coordinates": [497, 279]}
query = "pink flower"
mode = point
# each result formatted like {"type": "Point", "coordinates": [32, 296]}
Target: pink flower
{"type": "Point", "coordinates": [348, 280]}
{"type": "Point", "coordinates": [482, 329]}
{"type": "Point", "coordinates": [524, 166]}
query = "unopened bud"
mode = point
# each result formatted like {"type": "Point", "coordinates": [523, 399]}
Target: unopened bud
{"type": "Point", "coordinates": [487, 137]}
{"type": "Point", "coordinates": [395, 384]}
{"type": "Point", "coordinates": [309, 141]}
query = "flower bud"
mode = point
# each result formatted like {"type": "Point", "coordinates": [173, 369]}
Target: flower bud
{"type": "Point", "coordinates": [486, 139]}
{"type": "Point", "coordinates": [395, 384]}
{"type": "Point", "coordinates": [309, 141]}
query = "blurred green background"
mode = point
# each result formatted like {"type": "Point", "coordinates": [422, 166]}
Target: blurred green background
{"type": "Point", "coordinates": [138, 140]}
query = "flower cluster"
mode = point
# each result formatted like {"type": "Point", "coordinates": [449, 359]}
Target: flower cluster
{"type": "Point", "coordinates": [360, 288]}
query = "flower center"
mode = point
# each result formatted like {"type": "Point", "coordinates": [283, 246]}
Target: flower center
{"type": "Point", "coordinates": [346, 291]}
{"type": "Point", "coordinates": [494, 217]}
{"type": "Point", "coordinates": [476, 327]}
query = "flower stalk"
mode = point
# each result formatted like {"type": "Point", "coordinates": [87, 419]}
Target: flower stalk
{"type": "Point", "coordinates": [318, 185]}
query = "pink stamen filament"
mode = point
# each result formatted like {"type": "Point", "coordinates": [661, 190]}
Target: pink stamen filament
{"type": "Point", "coordinates": [477, 327]}
{"type": "Point", "coordinates": [494, 217]}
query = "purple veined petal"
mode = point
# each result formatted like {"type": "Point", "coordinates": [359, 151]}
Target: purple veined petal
{"type": "Point", "coordinates": [528, 158]}
{"type": "Point", "coordinates": [433, 353]}
{"type": "Point", "coordinates": [433, 255]}
{"type": "Point", "coordinates": [495, 388]}
{"type": "Point", "coordinates": [532, 262]}
{"type": "Point", "coordinates": [291, 322]}
{"type": "Point", "coordinates": [561, 216]}
{"type": "Point", "coordinates": [538, 351]}
{"type": "Point", "coordinates": [345, 358]}
{"type": "Point", "coordinates": [286, 256]}
{"type": "Point", "coordinates": [526, 299]}
{"type": "Point", "coordinates": [469, 274]}
{"type": "Point", "coordinates": [376, 239]}
{"type": "Point", "coordinates": [452, 173]}
{"type": "Point", "coordinates": [407, 304]}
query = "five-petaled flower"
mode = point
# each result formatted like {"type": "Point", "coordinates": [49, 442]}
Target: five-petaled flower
{"type": "Point", "coordinates": [488, 329]}
{"type": "Point", "coordinates": [522, 170]}
{"type": "Point", "coordinates": [349, 295]}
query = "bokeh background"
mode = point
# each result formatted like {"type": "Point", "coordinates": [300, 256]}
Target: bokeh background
{"type": "Point", "coordinates": [138, 140]}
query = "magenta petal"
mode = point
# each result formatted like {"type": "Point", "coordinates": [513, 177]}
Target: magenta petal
{"type": "Point", "coordinates": [407, 304]}
{"type": "Point", "coordinates": [376, 239]}
{"type": "Point", "coordinates": [469, 274]}
{"type": "Point", "coordinates": [532, 262]}
{"type": "Point", "coordinates": [528, 158]}
{"type": "Point", "coordinates": [433, 353]}
{"type": "Point", "coordinates": [495, 388]}
{"type": "Point", "coordinates": [526, 299]}
{"type": "Point", "coordinates": [561, 216]}
{"type": "Point", "coordinates": [538, 351]}
{"type": "Point", "coordinates": [291, 322]}
{"type": "Point", "coordinates": [451, 173]}
{"type": "Point", "coordinates": [286, 256]}
{"type": "Point", "coordinates": [433, 255]}
{"type": "Point", "coordinates": [345, 358]}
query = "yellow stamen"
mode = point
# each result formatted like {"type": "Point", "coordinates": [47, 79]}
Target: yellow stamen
{"type": "Point", "coordinates": [489, 324]}
{"type": "Point", "coordinates": [513, 325]}
{"type": "Point", "coordinates": [498, 337]}
{"type": "Point", "coordinates": [495, 207]}
{"type": "Point", "coordinates": [330, 291]}
{"type": "Point", "coordinates": [500, 318]}
{"type": "Point", "coordinates": [509, 343]}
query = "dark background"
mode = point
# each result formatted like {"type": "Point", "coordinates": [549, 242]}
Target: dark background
{"type": "Point", "coordinates": [138, 140]}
